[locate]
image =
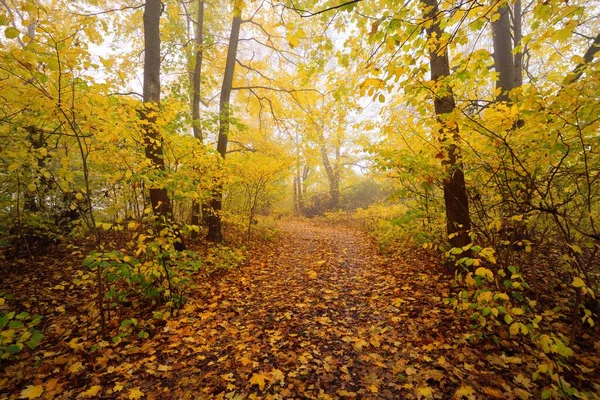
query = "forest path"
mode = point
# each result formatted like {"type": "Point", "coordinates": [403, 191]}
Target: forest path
{"type": "Point", "coordinates": [318, 313]}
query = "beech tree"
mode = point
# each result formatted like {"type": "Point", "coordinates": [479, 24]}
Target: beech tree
{"type": "Point", "coordinates": [214, 219]}
{"type": "Point", "coordinates": [458, 220]}
{"type": "Point", "coordinates": [153, 142]}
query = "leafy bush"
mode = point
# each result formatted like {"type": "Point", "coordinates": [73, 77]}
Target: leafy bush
{"type": "Point", "coordinates": [17, 330]}
{"type": "Point", "coordinates": [498, 308]}
{"type": "Point", "coordinates": [391, 225]}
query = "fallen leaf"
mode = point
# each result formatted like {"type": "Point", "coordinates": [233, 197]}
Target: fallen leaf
{"type": "Point", "coordinates": [464, 391]}
{"type": "Point", "coordinates": [76, 367]}
{"type": "Point", "coordinates": [135, 393]}
{"type": "Point", "coordinates": [259, 379]}
{"type": "Point", "coordinates": [118, 387]}
{"type": "Point", "coordinates": [425, 392]}
{"type": "Point", "coordinates": [91, 392]}
{"type": "Point", "coordinates": [32, 392]}
{"type": "Point", "coordinates": [277, 376]}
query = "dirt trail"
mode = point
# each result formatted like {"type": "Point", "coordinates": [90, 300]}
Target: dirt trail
{"type": "Point", "coordinates": [318, 314]}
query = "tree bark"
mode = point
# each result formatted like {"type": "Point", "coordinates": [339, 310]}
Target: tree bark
{"type": "Point", "coordinates": [153, 144]}
{"type": "Point", "coordinates": [332, 175]}
{"type": "Point", "coordinates": [196, 123]}
{"type": "Point", "coordinates": [458, 222]}
{"type": "Point", "coordinates": [504, 63]}
{"type": "Point", "coordinates": [214, 219]}
{"type": "Point", "coordinates": [518, 37]}
{"type": "Point", "coordinates": [197, 126]}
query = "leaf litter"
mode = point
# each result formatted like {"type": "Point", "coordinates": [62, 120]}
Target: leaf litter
{"type": "Point", "coordinates": [318, 314]}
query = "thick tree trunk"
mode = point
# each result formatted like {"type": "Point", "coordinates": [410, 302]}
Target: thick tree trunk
{"type": "Point", "coordinates": [458, 222]}
{"type": "Point", "coordinates": [518, 37]}
{"type": "Point", "coordinates": [196, 123]}
{"type": "Point", "coordinates": [214, 219]}
{"type": "Point", "coordinates": [151, 96]}
{"type": "Point", "coordinates": [504, 63]}
{"type": "Point", "coordinates": [197, 126]}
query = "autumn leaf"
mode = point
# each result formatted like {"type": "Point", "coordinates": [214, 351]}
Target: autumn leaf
{"type": "Point", "coordinates": [92, 391]}
{"type": "Point", "coordinates": [425, 392]}
{"type": "Point", "coordinates": [32, 392]}
{"type": "Point", "coordinates": [578, 282]}
{"type": "Point", "coordinates": [76, 367]}
{"type": "Point", "coordinates": [259, 379]}
{"type": "Point", "coordinates": [135, 393]}
{"type": "Point", "coordinates": [118, 387]}
{"type": "Point", "coordinates": [277, 376]}
{"type": "Point", "coordinates": [464, 391]}
{"type": "Point", "coordinates": [359, 343]}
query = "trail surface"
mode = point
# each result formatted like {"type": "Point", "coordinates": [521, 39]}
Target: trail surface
{"type": "Point", "coordinates": [318, 314]}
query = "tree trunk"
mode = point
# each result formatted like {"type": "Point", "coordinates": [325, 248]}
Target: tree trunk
{"type": "Point", "coordinates": [458, 222]}
{"type": "Point", "coordinates": [504, 63]}
{"type": "Point", "coordinates": [152, 139]}
{"type": "Point", "coordinates": [518, 37]}
{"type": "Point", "coordinates": [196, 123]}
{"type": "Point", "coordinates": [197, 126]}
{"type": "Point", "coordinates": [295, 196]}
{"type": "Point", "coordinates": [214, 219]}
{"type": "Point", "coordinates": [332, 175]}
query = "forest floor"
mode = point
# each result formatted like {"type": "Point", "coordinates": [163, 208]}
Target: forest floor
{"type": "Point", "coordinates": [318, 313]}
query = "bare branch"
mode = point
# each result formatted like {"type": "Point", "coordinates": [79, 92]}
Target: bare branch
{"type": "Point", "coordinates": [307, 14]}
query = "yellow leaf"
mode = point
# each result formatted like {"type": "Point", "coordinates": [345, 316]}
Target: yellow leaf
{"type": "Point", "coordinates": [135, 393]}
{"type": "Point", "coordinates": [79, 196]}
{"type": "Point", "coordinates": [514, 328]}
{"type": "Point", "coordinates": [517, 311]}
{"type": "Point", "coordinates": [32, 392]}
{"type": "Point", "coordinates": [578, 282]}
{"type": "Point", "coordinates": [277, 376]}
{"type": "Point", "coordinates": [425, 392]}
{"type": "Point", "coordinates": [91, 392]}
{"type": "Point", "coordinates": [246, 361]}
{"type": "Point", "coordinates": [359, 344]}
{"type": "Point", "coordinates": [292, 39]}
{"type": "Point", "coordinates": [312, 275]}
{"type": "Point", "coordinates": [484, 272]}
{"type": "Point", "coordinates": [259, 379]}
{"type": "Point", "coordinates": [373, 388]}
{"type": "Point", "coordinates": [118, 387]}
{"type": "Point", "coordinates": [14, 167]}
{"type": "Point", "coordinates": [75, 367]}
{"type": "Point", "coordinates": [464, 391]}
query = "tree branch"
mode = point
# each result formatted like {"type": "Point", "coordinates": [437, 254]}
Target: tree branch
{"type": "Point", "coordinates": [588, 57]}
{"type": "Point", "coordinates": [307, 14]}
